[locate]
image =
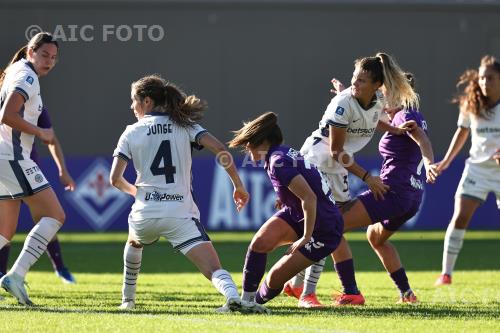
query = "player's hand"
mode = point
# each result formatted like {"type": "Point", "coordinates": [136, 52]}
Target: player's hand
{"type": "Point", "coordinates": [46, 135]}
{"type": "Point", "coordinates": [67, 181]}
{"type": "Point", "coordinates": [337, 86]}
{"type": "Point", "coordinates": [298, 244]}
{"type": "Point", "coordinates": [241, 197]}
{"type": "Point", "coordinates": [440, 166]}
{"type": "Point", "coordinates": [377, 187]}
{"type": "Point", "coordinates": [407, 126]}
{"type": "Point", "coordinates": [431, 173]}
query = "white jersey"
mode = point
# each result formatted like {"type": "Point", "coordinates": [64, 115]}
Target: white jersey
{"type": "Point", "coordinates": [344, 111]}
{"type": "Point", "coordinates": [161, 153]}
{"type": "Point", "coordinates": [485, 136]}
{"type": "Point", "coordinates": [21, 78]}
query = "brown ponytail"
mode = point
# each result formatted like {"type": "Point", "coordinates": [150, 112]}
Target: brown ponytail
{"type": "Point", "coordinates": [20, 54]}
{"type": "Point", "coordinates": [263, 128]}
{"type": "Point", "coordinates": [184, 110]}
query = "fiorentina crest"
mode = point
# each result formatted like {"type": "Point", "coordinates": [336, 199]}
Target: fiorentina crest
{"type": "Point", "coordinates": [95, 199]}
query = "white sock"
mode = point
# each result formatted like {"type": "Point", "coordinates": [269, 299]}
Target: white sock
{"type": "Point", "coordinates": [3, 241]}
{"type": "Point", "coordinates": [132, 257]}
{"type": "Point", "coordinates": [223, 282]}
{"type": "Point", "coordinates": [298, 280]}
{"type": "Point", "coordinates": [311, 278]}
{"type": "Point", "coordinates": [453, 241]}
{"type": "Point", "coordinates": [248, 296]}
{"type": "Point", "coordinates": [35, 244]}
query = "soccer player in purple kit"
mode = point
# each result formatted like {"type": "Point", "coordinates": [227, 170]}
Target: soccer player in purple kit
{"type": "Point", "coordinates": [308, 219]}
{"type": "Point", "coordinates": [53, 247]}
{"type": "Point", "coordinates": [404, 156]}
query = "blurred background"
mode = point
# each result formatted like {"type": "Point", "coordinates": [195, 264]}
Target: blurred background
{"type": "Point", "coordinates": [244, 58]}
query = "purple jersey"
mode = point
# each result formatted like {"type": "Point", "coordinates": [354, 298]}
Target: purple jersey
{"type": "Point", "coordinates": [402, 165]}
{"type": "Point", "coordinates": [43, 122]}
{"type": "Point", "coordinates": [282, 165]}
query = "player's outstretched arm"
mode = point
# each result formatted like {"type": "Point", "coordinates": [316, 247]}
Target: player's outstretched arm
{"type": "Point", "coordinates": [116, 177]}
{"type": "Point", "coordinates": [225, 159]}
{"type": "Point", "coordinates": [456, 144]}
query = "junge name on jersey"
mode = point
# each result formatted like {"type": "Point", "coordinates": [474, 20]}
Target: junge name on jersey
{"type": "Point", "coordinates": [159, 129]}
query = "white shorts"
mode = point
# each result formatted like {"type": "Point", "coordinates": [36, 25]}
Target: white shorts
{"type": "Point", "coordinates": [339, 185]}
{"type": "Point", "coordinates": [182, 233]}
{"type": "Point", "coordinates": [477, 181]}
{"type": "Point", "coordinates": [20, 179]}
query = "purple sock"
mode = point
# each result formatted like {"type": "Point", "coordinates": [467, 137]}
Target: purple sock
{"type": "Point", "coordinates": [345, 271]}
{"type": "Point", "coordinates": [401, 280]}
{"type": "Point", "coordinates": [54, 253]}
{"type": "Point", "coordinates": [4, 259]}
{"type": "Point", "coordinates": [254, 269]}
{"type": "Point", "coordinates": [265, 294]}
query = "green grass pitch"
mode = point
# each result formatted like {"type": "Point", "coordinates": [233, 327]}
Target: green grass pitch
{"type": "Point", "coordinates": [173, 297]}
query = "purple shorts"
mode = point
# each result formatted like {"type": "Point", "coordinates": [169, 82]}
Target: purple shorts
{"type": "Point", "coordinates": [324, 241]}
{"type": "Point", "coordinates": [392, 212]}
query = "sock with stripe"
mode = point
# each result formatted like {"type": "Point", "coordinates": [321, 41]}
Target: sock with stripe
{"type": "Point", "coordinates": [132, 257]}
{"type": "Point", "coordinates": [298, 280]}
{"type": "Point", "coordinates": [223, 282]}
{"type": "Point", "coordinates": [4, 254]}
{"type": "Point", "coordinates": [453, 241]}
{"type": "Point", "coordinates": [35, 244]}
{"type": "Point", "coordinates": [312, 275]}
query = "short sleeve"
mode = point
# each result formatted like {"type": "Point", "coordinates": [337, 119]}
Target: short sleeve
{"type": "Point", "coordinates": [338, 112]}
{"type": "Point", "coordinates": [25, 83]}
{"type": "Point", "coordinates": [123, 148]}
{"type": "Point", "coordinates": [284, 169]}
{"type": "Point", "coordinates": [463, 120]}
{"type": "Point", "coordinates": [195, 133]}
{"type": "Point", "coordinates": [44, 119]}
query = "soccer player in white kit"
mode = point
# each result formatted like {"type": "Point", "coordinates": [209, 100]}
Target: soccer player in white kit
{"type": "Point", "coordinates": [480, 116]}
{"type": "Point", "coordinates": [159, 144]}
{"type": "Point", "coordinates": [20, 177]}
{"type": "Point", "coordinates": [348, 124]}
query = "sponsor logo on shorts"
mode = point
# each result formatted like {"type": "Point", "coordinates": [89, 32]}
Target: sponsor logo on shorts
{"type": "Point", "coordinates": [312, 244]}
{"type": "Point", "coordinates": [38, 178]}
{"type": "Point", "coordinates": [32, 170]}
{"type": "Point", "coordinates": [470, 181]}
{"type": "Point", "coordinates": [156, 196]}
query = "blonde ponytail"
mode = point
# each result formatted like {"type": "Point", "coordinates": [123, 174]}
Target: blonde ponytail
{"type": "Point", "coordinates": [398, 91]}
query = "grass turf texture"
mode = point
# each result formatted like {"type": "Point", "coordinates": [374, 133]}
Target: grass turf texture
{"type": "Point", "coordinates": [174, 297]}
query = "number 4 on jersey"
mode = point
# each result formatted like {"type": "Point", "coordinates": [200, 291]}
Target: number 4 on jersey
{"type": "Point", "coordinates": [164, 154]}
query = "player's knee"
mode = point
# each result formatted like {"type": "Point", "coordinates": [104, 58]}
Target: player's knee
{"type": "Point", "coordinates": [374, 238]}
{"type": "Point", "coordinates": [261, 244]}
